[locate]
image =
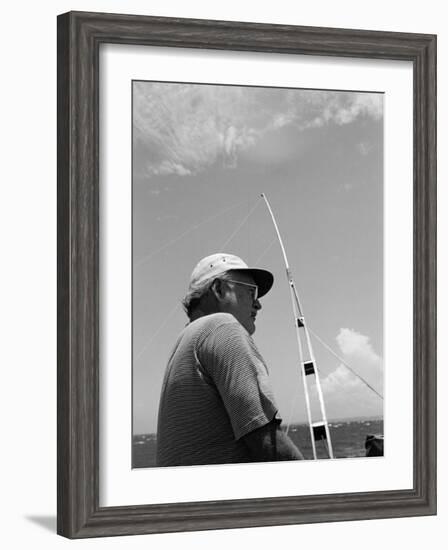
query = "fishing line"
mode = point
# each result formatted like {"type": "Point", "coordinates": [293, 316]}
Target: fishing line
{"type": "Point", "coordinates": [344, 362]}
{"type": "Point", "coordinates": [274, 240]}
{"type": "Point", "coordinates": [143, 260]}
{"type": "Point", "coordinates": [171, 313]}
{"type": "Point", "coordinates": [150, 340]}
{"type": "Point", "coordinates": [288, 425]}
{"type": "Point", "coordinates": [240, 225]}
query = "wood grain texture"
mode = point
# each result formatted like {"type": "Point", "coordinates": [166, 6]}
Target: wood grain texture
{"type": "Point", "coordinates": [79, 38]}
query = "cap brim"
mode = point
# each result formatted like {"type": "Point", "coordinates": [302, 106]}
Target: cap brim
{"type": "Point", "coordinates": [262, 278]}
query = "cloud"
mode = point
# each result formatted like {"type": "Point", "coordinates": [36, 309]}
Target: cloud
{"type": "Point", "coordinates": [356, 345]}
{"type": "Point", "coordinates": [349, 109]}
{"type": "Point", "coordinates": [315, 109]}
{"type": "Point", "coordinates": [168, 167]}
{"type": "Point", "coordinates": [347, 395]}
{"type": "Point", "coordinates": [183, 129]}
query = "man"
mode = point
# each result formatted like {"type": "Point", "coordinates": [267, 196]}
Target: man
{"type": "Point", "coordinates": [216, 404]}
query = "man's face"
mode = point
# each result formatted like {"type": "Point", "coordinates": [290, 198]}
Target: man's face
{"type": "Point", "coordinates": [239, 299]}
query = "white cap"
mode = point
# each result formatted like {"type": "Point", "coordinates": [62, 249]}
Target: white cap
{"type": "Point", "coordinates": [213, 266]}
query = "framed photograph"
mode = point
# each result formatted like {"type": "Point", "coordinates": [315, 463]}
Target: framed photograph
{"type": "Point", "coordinates": [246, 274]}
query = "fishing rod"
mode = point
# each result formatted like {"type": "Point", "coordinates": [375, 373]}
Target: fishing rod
{"type": "Point", "coordinates": [319, 430]}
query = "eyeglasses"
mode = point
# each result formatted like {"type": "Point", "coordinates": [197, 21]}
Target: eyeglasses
{"type": "Point", "coordinates": [253, 288]}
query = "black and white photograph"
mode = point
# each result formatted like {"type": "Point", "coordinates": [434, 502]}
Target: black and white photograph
{"type": "Point", "coordinates": [222, 237]}
{"type": "Point", "coordinates": [257, 274]}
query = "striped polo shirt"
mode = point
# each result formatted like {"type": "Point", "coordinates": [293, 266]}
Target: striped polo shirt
{"type": "Point", "coordinates": [215, 391]}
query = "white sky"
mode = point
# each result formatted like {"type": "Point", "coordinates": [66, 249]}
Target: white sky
{"type": "Point", "coordinates": [202, 155]}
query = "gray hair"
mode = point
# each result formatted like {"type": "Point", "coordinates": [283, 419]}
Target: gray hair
{"type": "Point", "coordinates": [197, 292]}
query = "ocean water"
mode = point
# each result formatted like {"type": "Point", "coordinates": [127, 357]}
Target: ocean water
{"type": "Point", "coordinates": [347, 437]}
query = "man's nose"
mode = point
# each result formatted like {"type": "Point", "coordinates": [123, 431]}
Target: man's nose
{"type": "Point", "coordinates": [257, 304]}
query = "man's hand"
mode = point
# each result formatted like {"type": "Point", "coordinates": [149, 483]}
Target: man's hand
{"type": "Point", "coordinates": [270, 443]}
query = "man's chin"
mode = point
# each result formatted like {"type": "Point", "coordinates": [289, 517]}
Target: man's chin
{"type": "Point", "coordinates": [251, 326]}
{"type": "Point", "coordinates": [248, 324]}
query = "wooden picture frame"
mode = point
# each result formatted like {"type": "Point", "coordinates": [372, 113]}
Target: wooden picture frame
{"type": "Point", "coordinates": [79, 38]}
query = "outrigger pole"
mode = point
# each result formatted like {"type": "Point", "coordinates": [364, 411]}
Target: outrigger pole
{"type": "Point", "coordinates": [318, 429]}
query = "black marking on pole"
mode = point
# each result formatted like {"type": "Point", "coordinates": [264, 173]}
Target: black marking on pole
{"type": "Point", "coordinates": [320, 432]}
{"type": "Point", "coordinates": [309, 367]}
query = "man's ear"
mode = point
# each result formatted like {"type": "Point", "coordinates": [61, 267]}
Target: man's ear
{"type": "Point", "coordinates": [217, 289]}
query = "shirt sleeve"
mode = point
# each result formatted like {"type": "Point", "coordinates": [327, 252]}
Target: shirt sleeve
{"type": "Point", "coordinates": [233, 363]}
